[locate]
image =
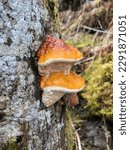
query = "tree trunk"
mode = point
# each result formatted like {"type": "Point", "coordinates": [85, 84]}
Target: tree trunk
{"type": "Point", "coordinates": [26, 124]}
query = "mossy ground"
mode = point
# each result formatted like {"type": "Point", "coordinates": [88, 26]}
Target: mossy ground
{"type": "Point", "coordinates": [98, 90]}
{"type": "Point", "coordinates": [98, 76]}
{"type": "Point", "coordinates": [96, 98]}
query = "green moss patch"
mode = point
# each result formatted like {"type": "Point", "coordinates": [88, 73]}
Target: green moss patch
{"type": "Point", "coordinates": [98, 89]}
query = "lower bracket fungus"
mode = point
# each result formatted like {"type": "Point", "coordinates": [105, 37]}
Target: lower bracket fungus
{"type": "Point", "coordinates": [57, 84]}
{"type": "Point", "coordinates": [55, 60]}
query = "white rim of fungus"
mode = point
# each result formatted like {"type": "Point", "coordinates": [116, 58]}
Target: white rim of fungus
{"type": "Point", "coordinates": [61, 89]}
{"type": "Point", "coordinates": [47, 62]}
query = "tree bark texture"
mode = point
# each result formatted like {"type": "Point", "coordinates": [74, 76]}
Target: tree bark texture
{"type": "Point", "coordinates": [24, 122]}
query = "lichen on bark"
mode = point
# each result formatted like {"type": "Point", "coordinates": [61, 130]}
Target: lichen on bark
{"type": "Point", "coordinates": [23, 25]}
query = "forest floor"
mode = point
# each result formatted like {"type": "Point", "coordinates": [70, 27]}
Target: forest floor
{"type": "Point", "coordinates": [90, 30]}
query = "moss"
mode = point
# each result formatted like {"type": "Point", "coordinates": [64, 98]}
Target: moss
{"type": "Point", "coordinates": [81, 43]}
{"type": "Point", "coordinates": [98, 89]}
{"type": "Point", "coordinates": [12, 144]}
{"type": "Point", "coordinates": [83, 40]}
{"type": "Point", "coordinates": [19, 142]}
{"type": "Point", "coordinates": [52, 7]}
{"type": "Point", "coordinates": [69, 131]}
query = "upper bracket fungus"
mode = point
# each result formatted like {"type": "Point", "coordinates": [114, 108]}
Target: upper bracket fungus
{"type": "Point", "coordinates": [55, 59]}
{"type": "Point", "coordinates": [54, 56]}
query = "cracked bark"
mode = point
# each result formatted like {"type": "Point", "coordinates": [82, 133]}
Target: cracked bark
{"type": "Point", "coordinates": [24, 122]}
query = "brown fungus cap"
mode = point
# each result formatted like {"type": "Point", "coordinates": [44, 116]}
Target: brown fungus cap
{"type": "Point", "coordinates": [70, 83]}
{"type": "Point", "coordinates": [55, 50]}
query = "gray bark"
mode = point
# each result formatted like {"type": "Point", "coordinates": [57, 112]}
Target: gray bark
{"type": "Point", "coordinates": [24, 122]}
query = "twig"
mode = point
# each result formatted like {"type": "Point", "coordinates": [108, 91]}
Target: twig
{"type": "Point", "coordinates": [100, 24]}
{"type": "Point", "coordinates": [77, 136]}
{"type": "Point", "coordinates": [106, 39]}
{"type": "Point", "coordinates": [84, 60]}
{"type": "Point", "coordinates": [95, 36]}
{"type": "Point", "coordinates": [97, 30]}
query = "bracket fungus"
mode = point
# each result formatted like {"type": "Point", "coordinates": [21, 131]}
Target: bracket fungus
{"type": "Point", "coordinates": [55, 59]}
{"type": "Point", "coordinates": [57, 84]}
{"type": "Point", "coordinates": [55, 55]}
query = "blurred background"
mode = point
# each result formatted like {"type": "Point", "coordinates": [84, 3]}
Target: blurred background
{"type": "Point", "coordinates": [88, 25]}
